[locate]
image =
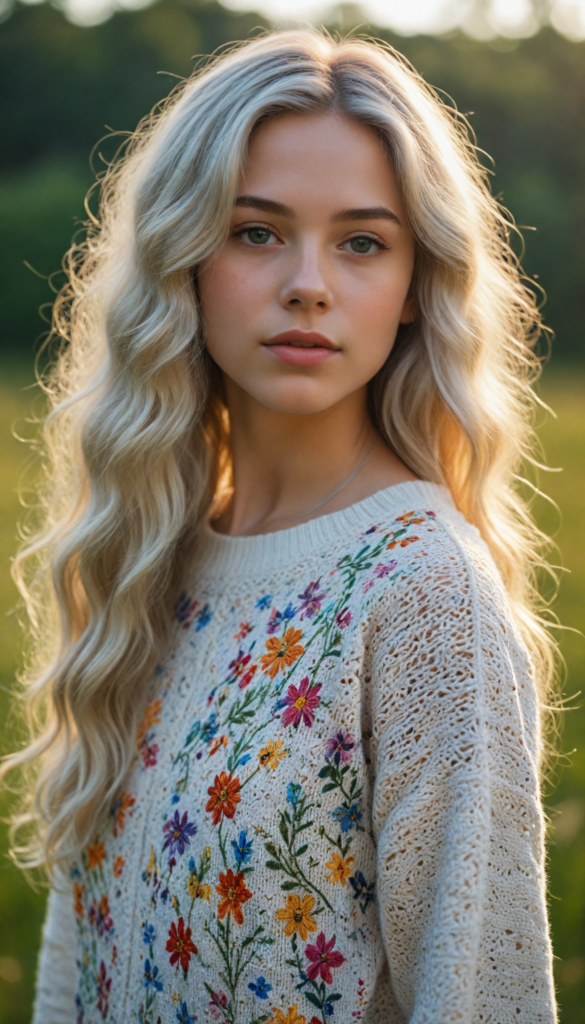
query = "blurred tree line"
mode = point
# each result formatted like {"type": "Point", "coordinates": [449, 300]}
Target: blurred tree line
{"type": "Point", "coordinates": [64, 86]}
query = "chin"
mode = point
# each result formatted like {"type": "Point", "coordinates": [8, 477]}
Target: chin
{"type": "Point", "coordinates": [299, 398]}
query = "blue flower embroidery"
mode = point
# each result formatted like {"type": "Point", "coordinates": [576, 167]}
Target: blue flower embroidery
{"type": "Point", "coordinates": [293, 793]}
{"type": "Point", "coordinates": [148, 935]}
{"type": "Point", "coordinates": [151, 979]}
{"type": "Point", "coordinates": [242, 849]}
{"type": "Point", "coordinates": [346, 816]}
{"type": "Point", "coordinates": [260, 987]}
{"type": "Point", "coordinates": [183, 1015]}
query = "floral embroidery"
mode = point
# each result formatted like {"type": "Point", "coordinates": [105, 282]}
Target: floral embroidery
{"type": "Point", "coordinates": [180, 945]}
{"type": "Point", "coordinates": [282, 652]}
{"type": "Point", "coordinates": [223, 797]}
{"type": "Point", "coordinates": [238, 740]}
{"type": "Point", "coordinates": [297, 915]}
{"type": "Point", "coordinates": [233, 892]}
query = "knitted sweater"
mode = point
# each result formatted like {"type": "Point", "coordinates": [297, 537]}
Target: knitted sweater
{"type": "Point", "coordinates": [334, 812]}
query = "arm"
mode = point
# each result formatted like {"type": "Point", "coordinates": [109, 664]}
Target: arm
{"type": "Point", "coordinates": [457, 814]}
{"type": "Point", "coordinates": [57, 969]}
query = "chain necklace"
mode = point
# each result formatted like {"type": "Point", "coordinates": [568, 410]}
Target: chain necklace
{"type": "Point", "coordinates": [307, 512]}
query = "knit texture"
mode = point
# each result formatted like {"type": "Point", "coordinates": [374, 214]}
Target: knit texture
{"type": "Point", "coordinates": [334, 813]}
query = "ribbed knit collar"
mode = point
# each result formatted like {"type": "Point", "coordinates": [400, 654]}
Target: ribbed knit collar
{"type": "Point", "coordinates": [255, 555]}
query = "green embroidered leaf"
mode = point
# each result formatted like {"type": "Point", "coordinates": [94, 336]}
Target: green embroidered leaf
{"type": "Point", "coordinates": [313, 999]}
{"type": "Point", "coordinates": [301, 850]}
{"type": "Point", "coordinates": [287, 886]}
{"type": "Point", "coordinates": [328, 787]}
{"type": "Point", "coordinates": [273, 865]}
{"type": "Point", "coordinates": [283, 829]}
{"type": "Point", "coordinates": [325, 772]}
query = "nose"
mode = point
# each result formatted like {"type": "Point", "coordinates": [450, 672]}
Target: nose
{"type": "Point", "coordinates": [305, 287]}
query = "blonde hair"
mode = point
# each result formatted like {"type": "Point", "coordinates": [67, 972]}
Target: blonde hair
{"type": "Point", "coordinates": [137, 436]}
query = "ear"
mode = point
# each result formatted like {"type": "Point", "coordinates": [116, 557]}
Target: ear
{"type": "Point", "coordinates": [409, 309]}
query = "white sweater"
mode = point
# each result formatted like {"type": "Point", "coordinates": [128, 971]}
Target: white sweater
{"type": "Point", "coordinates": [334, 814]}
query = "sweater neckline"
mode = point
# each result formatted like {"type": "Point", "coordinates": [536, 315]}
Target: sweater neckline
{"type": "Point", "coordinates": [255, 554]}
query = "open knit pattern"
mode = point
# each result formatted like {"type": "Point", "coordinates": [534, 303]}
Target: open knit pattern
{"type": "Point", "coordinates": [334, 814]}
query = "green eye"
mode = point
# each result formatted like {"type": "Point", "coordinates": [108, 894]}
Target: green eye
{"type": "Point", "coordinates": [361, 244]}
{"type": "Point", "coordinates": [258, 236]}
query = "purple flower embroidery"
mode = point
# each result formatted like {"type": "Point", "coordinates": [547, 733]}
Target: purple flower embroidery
{"type": "Point", "coordinates": [178, 833]}
{"type": "Point", "coordinates": [339, 747]}
{"type": "Point", "coordinates": [384, 570]}
{"type": "Point", "coordinates": [311, 600]}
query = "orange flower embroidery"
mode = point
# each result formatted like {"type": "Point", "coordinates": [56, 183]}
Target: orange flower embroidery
{"type": "Point", "coordinates": [96, 854]}
{"type": "Point", "coordinates": [282, 652]}
{"type": "Point", "coordinates": [119, 864]}
{"type": "Point", "coordinates": [340, 869]}
{"type": "Point", "coordinates": [78, 892]}
{"type": "Point", "coordinates": [233, 892]}
{"type": "Point", "coordinates": [223, 797]}
{"type": "Point", "coordinates": [151, 717]}
{"type": "Point", "coordinates": [297, 915]}
{"type": "Point", "coordinates": [125, 802]}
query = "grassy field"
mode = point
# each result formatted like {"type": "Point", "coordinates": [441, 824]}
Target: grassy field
{"type": "Point", "coordinates": [21, 909]}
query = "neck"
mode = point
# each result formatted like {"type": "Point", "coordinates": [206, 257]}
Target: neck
{"type": "Point", "coordinates": [284, 464]}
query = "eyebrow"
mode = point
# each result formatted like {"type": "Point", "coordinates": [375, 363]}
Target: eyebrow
{"type": "Point", "coordinates": [355, 213]}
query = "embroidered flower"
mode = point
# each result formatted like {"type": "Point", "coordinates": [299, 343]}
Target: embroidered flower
{"type": "Point", "coordinates": [323, 957]}
{"type": "Point", "coordinates": [263, 601]}
{"type": "Point", "coordinates": [247, 677]}
{"type": "Point", "coordinates": [271, 755]}
{"type": "Point", "coordinates": [124, 803]}
{"type": "Point", "coordinates": [242, 849]}
{"type": "Point", "coordinates": [179, 832]}
{"type": "Point", "coordinates": [183, 1015]}
{"type": "Point", "coordinates": [343, 619]}
{"type": "Point", "coordinates": [301, 703]}
{"type": "Point", "coordinates": [78, 894]}
{"type": "Point", "coordinates": [217, 1004]}
{"type": "Point", "coordinates": [104, 985]}
{"type": "Point", "coordinates": [290, 1017]}
{"type": "Point", "coordinates": [347, 816]}
{"type": "Point", "coordinates": [150, 717]}
{"type": "Point", "coordinates": [339, 747]}
{"type": "Point", "coordinates": [180, 945]}
{"type": "Point", "coordinates": [96, 854]}
{"type": "Point", "coordinates": [185, 609]}
{"type": "Point", "coordinates": [119, 865]}
{"type": "Point", "coordinates": [99, 916]}
{"type": "Point", "coordinates": [293, 793]}
{"type": "Point", "coordinates": [361, 888]}
{"type": "Point", "coordinates": [311, 599]}
{"type": "Point", "coordinates": [151, 978]}
{"type": "Point", "coordinates": [297, 914]}
{"type": "Point", "coordinates": [148, 934]}
{"type": "Point", "coordinates": [282, 652]}
{"type": "Point", "coordinates": [223, 797]}
{"type": "Point", "coordinates": [340, 869]}
{"type": "Point", "coordinates": [260, 987]}
{"type": "Point", "coordinates": [233, 892]}
{"type": "Point", "coordinates": [243, 631]}
{"type": "Point", "coordinates": [384, 570]}
{"type": "Point", "coordinates": [277, 619]}
{"type": "Point", "coordinates": [237, 666]}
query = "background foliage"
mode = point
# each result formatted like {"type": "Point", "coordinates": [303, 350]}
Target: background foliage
{"type": "Point", "coordinates": [63, 87]}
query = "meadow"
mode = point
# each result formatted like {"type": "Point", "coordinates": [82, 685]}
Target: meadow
{"type": "Point", "coordinates": [563, 441]}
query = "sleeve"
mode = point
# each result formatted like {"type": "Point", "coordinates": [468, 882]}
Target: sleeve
{"type": "Point", "coordinates": [456, 807]}
{"type": "Point", "coordinates": [57, 968]}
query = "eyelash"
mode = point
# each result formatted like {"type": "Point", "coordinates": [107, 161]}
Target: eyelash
{"type": "Point", "coordinates": [359, 234]}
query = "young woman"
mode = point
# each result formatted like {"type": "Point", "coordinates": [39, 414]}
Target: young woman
{"type": "Point", "coordinates": [289, 769]}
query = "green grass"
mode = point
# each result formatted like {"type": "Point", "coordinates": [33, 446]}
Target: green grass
{"type": "Point", "coordinates": [21, 909]}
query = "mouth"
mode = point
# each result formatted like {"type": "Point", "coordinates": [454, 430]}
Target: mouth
{"type": "Point", "coordinates": [302, 339]}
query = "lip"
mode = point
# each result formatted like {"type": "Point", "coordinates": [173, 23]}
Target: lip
{"type": "Point", "coordinates": [300, 348]}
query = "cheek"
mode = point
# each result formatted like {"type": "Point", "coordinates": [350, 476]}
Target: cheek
{"type": "Point", "coordinates": [229, 298]}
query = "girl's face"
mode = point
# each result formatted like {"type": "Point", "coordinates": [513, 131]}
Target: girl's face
{"type": "Point", "coordinates": [302, 302]}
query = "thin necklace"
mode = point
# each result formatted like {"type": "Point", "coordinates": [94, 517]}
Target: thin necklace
{"type": "Point", "coordinates": [307, 512]}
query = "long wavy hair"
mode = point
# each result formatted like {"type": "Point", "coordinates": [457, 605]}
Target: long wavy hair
{"type": "Point", "coordinates": [136, 439]}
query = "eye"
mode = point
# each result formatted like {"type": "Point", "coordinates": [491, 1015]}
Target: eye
{"type": "Point", "coordinates": [257, 235]}
{"type": "Point", "coordinates": [363, 244]}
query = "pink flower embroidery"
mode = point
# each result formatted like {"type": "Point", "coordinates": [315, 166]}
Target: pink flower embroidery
{"type": "Point", "coordinates": [301, 703]}
{"type": "Point", "coordinates": [344, 618]}
{"type": "Point", "coordinates": [323, 957]}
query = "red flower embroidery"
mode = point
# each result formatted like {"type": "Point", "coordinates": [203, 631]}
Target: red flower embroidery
{"type": "Point", "coordinates": [223, 797]}
{"type": "Point", "coordinates": [301, 703]}
{"type": "Point", "coordinates": [180, 944]}
{"type": "Point", "coordinates": [104, 985]}
{"type": "Point", "coordinates": [323, 957]}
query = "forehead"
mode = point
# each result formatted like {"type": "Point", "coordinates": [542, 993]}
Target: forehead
{"type": "Point", "coordinates": [299, 156]}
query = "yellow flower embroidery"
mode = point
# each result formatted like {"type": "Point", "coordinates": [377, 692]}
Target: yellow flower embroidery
{"type": "Point", "coordinates": [197, 890]}
{"type": "Point", "coordinates": [290, 1017]}
{"type": "Point", "coordinates": [271, 754]}
{"type": "Point", "coordinates": [297, 915]}
{"type": "Point", "coordinates": [340, 869]}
